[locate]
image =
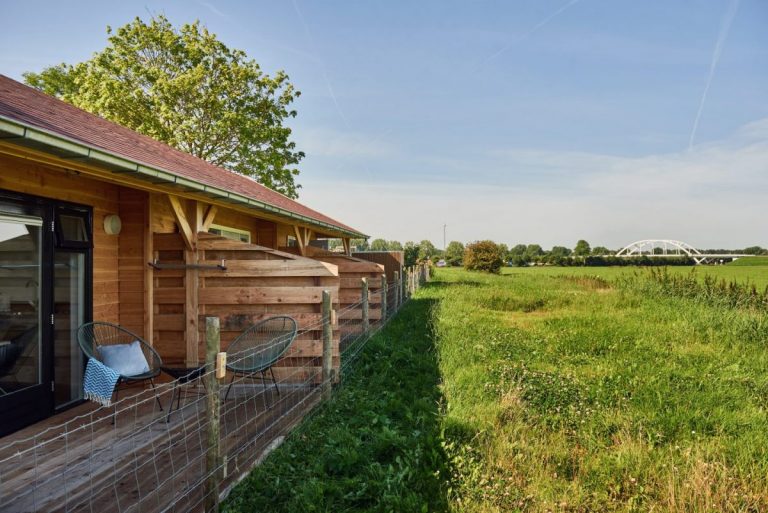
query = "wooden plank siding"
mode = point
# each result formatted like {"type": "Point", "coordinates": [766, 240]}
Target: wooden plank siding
{"type": "Point", "coordinates": [27, 177]}
{"type": "Point", "coordinates": [391, 260]}
{"type": "Point", "coordinates": [351, 272]}
{"type": "Point", "coordinates": [259, 283]}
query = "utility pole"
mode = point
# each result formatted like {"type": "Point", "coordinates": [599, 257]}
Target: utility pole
{"type": "Point", "coordinates": [444, 225]}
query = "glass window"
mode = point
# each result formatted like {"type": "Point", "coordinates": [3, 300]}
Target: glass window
{"type": "Point", "coordinates": [72, 229]}
{"type": "Point", "coordinates": [20, 259]}
{"type": "Point", "coordinates": [230, 233]}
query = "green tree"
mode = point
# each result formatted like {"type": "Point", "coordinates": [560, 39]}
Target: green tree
{"type": "Point", "coordinates": [517, 250]}
{"type": "Point", "coordinates": [601, 250]}
{"type": "Point", "coordinates": [359, 244]}
{"type": "Point", "coordinates": [754, 250]}
{"type": "Point", "coordinates": [426, 250]}
{"type": "Point", "coordinates": [582, 248]}
{"type": "Point", "coordinates": [410, 253]}
{"type": "Point", "coordinates": [484, 255]}
{"type": "Point", "coordinates": [533, 250]}
{"type": "Point", "coordinates": [186, 88]}
{"type": "Point", "coordinates": [394, 245]}
{"type": "Point", "coordinates": [379, 245]}
{"type": "Point", "coordinates": [454, 253]}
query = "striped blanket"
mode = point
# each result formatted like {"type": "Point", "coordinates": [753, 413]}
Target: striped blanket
{"type": "Point", "coordinates": [99, 382]}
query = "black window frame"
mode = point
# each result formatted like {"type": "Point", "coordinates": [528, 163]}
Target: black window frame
{"type": "Point", "coordinates": [85, 215]}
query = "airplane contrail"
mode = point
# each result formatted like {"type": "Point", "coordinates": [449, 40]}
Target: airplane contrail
{"type": "Point", "coordinates": [530, 32]}
{"type": "Point", "coordinates": [725, 27]}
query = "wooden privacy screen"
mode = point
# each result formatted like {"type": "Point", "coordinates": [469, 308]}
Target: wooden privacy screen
{"type": "Point", "coordinates": [391, 260]}
{"type": "Point", "coordinates": [258, 283]}
{"type": "Point", "coordinates": [351, 272]}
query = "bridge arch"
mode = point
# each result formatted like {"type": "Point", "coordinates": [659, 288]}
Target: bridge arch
{"type": "Point", "coordinates": [668, 248]}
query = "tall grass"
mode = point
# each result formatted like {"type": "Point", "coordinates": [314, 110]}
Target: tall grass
{"type": "Point", "coordinates": [540, 392]}
{"type": "Point", "coordinates": [609, 396]}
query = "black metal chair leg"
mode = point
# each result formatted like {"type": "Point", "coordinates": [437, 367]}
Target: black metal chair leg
{"type": "Point", "coordinates": [157, 398]}
{"type": "Point", "coordinates": [274, 381]}
{"type": "Point", "coordinates": [170, 406]}
{"type": "Point", "coordinates": [264, 381]}
{"type": "Point", "coordinates": [231, 382]}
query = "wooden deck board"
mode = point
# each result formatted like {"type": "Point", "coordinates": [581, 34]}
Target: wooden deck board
{"type": "Point", "coordinates": [141, 463]}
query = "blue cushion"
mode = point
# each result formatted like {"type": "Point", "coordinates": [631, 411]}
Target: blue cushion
{"type": "Point", "coordinates": [127, 359]}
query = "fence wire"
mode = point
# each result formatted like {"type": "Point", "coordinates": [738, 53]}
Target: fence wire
{"type": "Point", "coordinates": [149, 451]}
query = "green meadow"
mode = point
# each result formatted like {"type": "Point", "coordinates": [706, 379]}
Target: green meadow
{"type": "Point", "coordinates": [537, 390]}
{"type": "Point", "coordinates": [744, 270]}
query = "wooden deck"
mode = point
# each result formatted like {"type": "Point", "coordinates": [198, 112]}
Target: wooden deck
{"type": "Point", "coordinates": [82, 461]}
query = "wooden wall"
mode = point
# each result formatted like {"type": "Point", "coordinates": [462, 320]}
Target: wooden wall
{"type": "Point", "coordinates": [351, 272]}
{"type": "Point", "coordinates": [259, 283]}
{"type": "Point", "coordinates": [391, 260]}
{"type": "Point", "coordinates": [131, 260]}
{"type": "Point", "coordinates": [25, 176]}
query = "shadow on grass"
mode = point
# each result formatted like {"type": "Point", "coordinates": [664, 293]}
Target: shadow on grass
{"type": "Point", "coordinates": [376, 446]}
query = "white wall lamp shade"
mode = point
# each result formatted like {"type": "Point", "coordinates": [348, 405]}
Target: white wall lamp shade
{"type": "Point", "coordinates": [112, 224]}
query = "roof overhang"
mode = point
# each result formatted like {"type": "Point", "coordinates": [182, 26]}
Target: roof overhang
{"type": "Point", "coordinates": [29, 136]}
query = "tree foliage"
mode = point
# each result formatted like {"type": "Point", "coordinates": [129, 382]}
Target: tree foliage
{"type": "Point", "coordinates": [454, 253]}
{"type": "Point", "coordinates": [379, 245]}
{"type": "Point", "coordinates": [410, 253]}
{"type": "Point", "coordinates": [359, 244]}
{"type": "Point", "coordinates": [484, 255]}
{"type": "Point", "coordinates": [426, 250]}
{"type": "Point", "coordinates": [186, 88]}
{"type": "Point", "coordinates": [582, 248]}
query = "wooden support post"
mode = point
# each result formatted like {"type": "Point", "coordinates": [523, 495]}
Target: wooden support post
{"type": "Point", "coordinates": [364, 306]}
{"type": "Point", "coordinates": [347, 247]}
{"type": "Point", "coordinates": [149, 275]}
{"type": "Point", "coordinates": [191, 308]}
{"type": "Point", "coordinates": [213, 412]}
{"type": "Point", "coordinates": [383, 299]}
{"type": "Point", "coordinates": [327, 345]}
{"type": "Point", "coordinates": [398, 290]}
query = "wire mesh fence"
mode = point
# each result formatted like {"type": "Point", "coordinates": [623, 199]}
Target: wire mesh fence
{"type": "Point", "coordinates": [183, 444]}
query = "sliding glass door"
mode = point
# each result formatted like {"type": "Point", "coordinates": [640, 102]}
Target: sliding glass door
{"type": "Point", "coordinates": [23, 376]}
{"type": "Point", "coordinates": [45, 269]}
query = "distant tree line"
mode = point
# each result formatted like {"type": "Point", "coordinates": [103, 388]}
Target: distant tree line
{"type": "Point", "coordinates": [582, 254]}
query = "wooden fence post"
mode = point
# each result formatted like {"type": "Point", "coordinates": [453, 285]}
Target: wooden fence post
{"type": "Point", "coordinates": [383, 299]}
{"type": "Point", "coordinates": [327, 345]}
{"type": "Point", "coordinates": [213, 412]}
{"type": "Point", "coordinates": [364, 306]}
{"type": "Point", "coordinates": [398, 290]}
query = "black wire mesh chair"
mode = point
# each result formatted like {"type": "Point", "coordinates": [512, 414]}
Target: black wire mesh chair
{"type": "Point", "coordinates": [92, 336]}
{"type": "Point", "coordinates": [259, 347]}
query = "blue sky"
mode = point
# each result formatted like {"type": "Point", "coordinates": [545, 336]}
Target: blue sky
{"type": "Point", "coordinates": [522, 121]}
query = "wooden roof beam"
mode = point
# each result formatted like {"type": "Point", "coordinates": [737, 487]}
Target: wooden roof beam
{"type": "Point", "coordinates": [185, 229]}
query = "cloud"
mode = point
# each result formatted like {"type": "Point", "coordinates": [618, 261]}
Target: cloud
{"type": "Point", "coordinates": [712, 196]}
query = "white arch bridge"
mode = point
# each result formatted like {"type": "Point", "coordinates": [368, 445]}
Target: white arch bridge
{"type": "Point", "coordinates": [667, 248]}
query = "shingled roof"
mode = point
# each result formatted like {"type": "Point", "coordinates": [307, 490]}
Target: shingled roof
{"type": "Point", "coordinates": [31, 108]}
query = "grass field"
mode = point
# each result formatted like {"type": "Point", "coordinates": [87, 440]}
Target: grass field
{"type": "Point", "coordinates": [752, 270]}
{"type": "Point", "coordinates": [543, 389]}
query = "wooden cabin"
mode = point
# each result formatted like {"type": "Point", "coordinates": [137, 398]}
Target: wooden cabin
{"type": "Point", "coordinates": [98, 222]}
